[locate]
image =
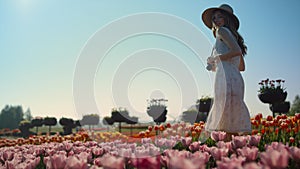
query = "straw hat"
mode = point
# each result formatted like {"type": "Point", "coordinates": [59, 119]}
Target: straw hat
{"type": "Point", "coordinates": [207, 15]}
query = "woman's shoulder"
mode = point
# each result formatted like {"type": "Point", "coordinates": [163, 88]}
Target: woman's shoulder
{"type": "Point", "coordinates": [223, 31]}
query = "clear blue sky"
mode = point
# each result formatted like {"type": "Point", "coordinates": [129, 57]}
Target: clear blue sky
{"type": "Point", "coordinates": [41, 41]}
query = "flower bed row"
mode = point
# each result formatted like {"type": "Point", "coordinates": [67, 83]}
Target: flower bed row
{"type": "Point", "coordinates": [176, 152]}
{"type": "Point", "coordinates": [274, 143]}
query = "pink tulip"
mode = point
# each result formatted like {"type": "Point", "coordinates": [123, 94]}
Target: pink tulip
{"type": "Point", "coordinates": [10, 164]}
{"type": "Point", "coordinates": [147, 162]}
{"type": "Point", "coordinates": [295, 153]}
{"type": "Point", "coordinates": [238, 141]}
{"type": "Point", "coordinates": [141, 152]}
{"type": "Point", "coordinates": [33, 162]}
{"type": "Point", "coordinates": [92, 144]}
{"type": "Point", "coordinates": [218, 153]}
{"type": "Point", "coordinates": [186, 141]}
{"type": "Point", "coordinates": [23, 165]}
{"type": "Point", "coordinates": [97, 151]}
{"type": "Point", "coordinates": [254, 165]}
{"type": "Point", "coordinates": [175, 153]}
{"type": "Point", "coordinates": [57, 161]}
{"type": "Point", "coordinates": [254, 140]}
{"type": "Point", "coordinates": [218, 135]}
{"type": "Point", "coordinates": [70, 153]}
{"type": "Point", "coordinates": [204, 148]}
{"type": "Point", "coordinates": [160, 142]}
{"type": "Point", "coordinates": [153, 150]}
{"type": "Point", "coordinates": [75, 163]}
{"type": "Point", "coordinates": [146, 140]}
{"type": "Point", "coordinates": [97, 162]}
{"type": "Point", "coordinates": [68, 146]}
{"type": "Point", "coordinates": [275, 159]}
{"type": "Point", "coordinates": [277, 146]}
{"type": "Point", "coordinates": [8, 155]}
{"type": "Point", "coordinates": [170, 143]}
{"type": "Point", "coordinates": [230, 163]}
{"type": "Point", "coordinates": [38, 151]}
{"type": "Point", "coordinates": [78, 150]}
{"type": "Point", "coordinates": [50, 152]}
{"type": "Point", "coordinates": [112, 162]}
{"type": "Point", "coordinates": [195, 146]}
{"type": "Point", "coordinates": [228, 145]}
{"type": "Point", "coordinates": [249, 153]}
{"type": "Point", "coordinates": [124, 152]}
{"type": "Point", "coordinates": [200, 156]}
{"type": "Point", "coordinates": [183, 163]}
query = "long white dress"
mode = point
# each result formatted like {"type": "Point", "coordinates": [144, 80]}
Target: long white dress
{"type": "Point", "coordinates": [229, 112]}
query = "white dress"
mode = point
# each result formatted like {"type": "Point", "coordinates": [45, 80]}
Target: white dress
{"type": "Point", "coordinates": [229, 112]}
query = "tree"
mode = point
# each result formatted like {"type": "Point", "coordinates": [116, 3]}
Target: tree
{"type": "Point", "coordinates": [193, 116]}
{"type": "Point", "coordinates": [24, 127]}
{"type": "Point", "coordinates": [190, 116]}
{"type": "Point", "coordinates": [27, 115]}
{"type": "Point", "coordinates": [68, 125]}
{"type": "Point", "coordinates": [37, 122]}
{"type": "Point", "coordinates": [11, 116]}
{"type": "Point", "coordinates": [295, 106]}
{"type": "Point", "coordinates": [107, 121]}
{"type": "Point", "coordinates": [121, 115]}
{"type": "Point", "coordinates": [50, 121]}
{"type": "Point", "coordinates": [90, 120]}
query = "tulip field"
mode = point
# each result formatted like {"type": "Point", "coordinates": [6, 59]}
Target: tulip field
{"type": "Point", "coordinates": [273, 143]}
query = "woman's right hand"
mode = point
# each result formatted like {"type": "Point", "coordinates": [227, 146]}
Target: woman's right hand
{"type": "Point", "coordinates": [210, 60]}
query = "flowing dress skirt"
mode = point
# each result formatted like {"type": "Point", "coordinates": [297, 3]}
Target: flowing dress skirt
{"type": "Point", "coordinates": [229, 112]}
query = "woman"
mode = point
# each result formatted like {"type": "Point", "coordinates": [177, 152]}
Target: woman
{"type": "Point", "coordinates": [229, 113]}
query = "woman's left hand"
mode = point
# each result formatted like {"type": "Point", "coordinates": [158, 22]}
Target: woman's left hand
{"type": "Point", "coordinates": [216, 58]}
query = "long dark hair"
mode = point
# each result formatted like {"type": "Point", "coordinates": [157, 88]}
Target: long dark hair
{"type": "Point", "coordinates": [230, 25]}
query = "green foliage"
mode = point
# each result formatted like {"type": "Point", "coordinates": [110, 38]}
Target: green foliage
{"type": "Point", "coordinates": [91, 119]}
{"type": "Point", "coordinates": [41, 164]}
{"type": "Point", "coordinates": [27, 115]}
{"type": "Point", "coordinates": [179, 146]}
{"type": "Point", "coordinates": [211, 163]}
{"type": "Point", "coordinates": [295, 106]}
{"type": "Point", "coordinates": [204, 98]}
{"type": "Point", "coordinates": [210, 142]}
{"type": "Point", "coordinates": [11, 116]}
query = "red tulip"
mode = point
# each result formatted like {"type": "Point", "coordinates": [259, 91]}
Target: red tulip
{"type": "Point", "coordinates": [262, 131]}
{"type": "Point", "coordinates": [161, 127]}
{"type": "Point", "coordinates": [257, 117]}
{"type": "Point", "coordinates": [263, 122]}
{"type": "Point", "coordinates": [254, 132]}
{"type": "Point", "coordinates": [269, 118]}
{"type": "Point", "coordinates": [150, 128]}
{"type": "Point", "coordinates": [297, 115]}
{"type": "Point", "coordinates": [277, 130]}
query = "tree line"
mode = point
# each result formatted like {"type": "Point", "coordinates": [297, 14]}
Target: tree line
{"type": "Point", "coordinates": [13, 117]}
